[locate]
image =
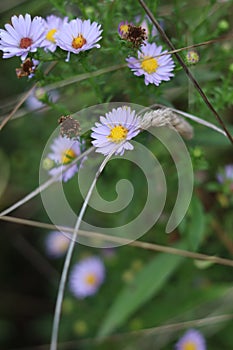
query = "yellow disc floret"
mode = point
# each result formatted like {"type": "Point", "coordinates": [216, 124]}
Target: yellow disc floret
{"type": "Point", "coordinates": [50, 35]}
{"type": "Point", "coordinates": [67, 156]}
{"type": "Point", "coordinates": [124, 28]}
{"type": "Point", "coordinates": [189, 346]}
{"type": "Point", "coordinates": [78, 42]}
{"type": "Point", "coordinates": [149, 64]}
{"type": "Point", "coordinates": [91, 279]}
{"type": "Point", "coordinates": [118, 133]}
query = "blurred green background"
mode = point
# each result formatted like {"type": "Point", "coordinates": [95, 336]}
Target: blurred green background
{"type": "Point", "coordinates": [142, 289]}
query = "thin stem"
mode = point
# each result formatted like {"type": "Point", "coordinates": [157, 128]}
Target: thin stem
{"type": "Point", "coordinates": [23, 99]}
{"type": "Point", "coordinates": [187, 71]}
{"type": "Point", "coordinates": [83, 76]}
{"type": "Point", "coordinates": [41, 187]}
{"type": "Point", "coordinates": [192, 117]}
{"type": "Point", "coordinates": [123, 241]}
{"type": "Point", "coordinates": [61, 288]}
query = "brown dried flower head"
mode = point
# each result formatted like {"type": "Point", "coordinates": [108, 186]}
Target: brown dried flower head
{"type": "Point", "coordinates": [27, 68]}
{"type": "Point", "coordinates": [136, 35]}
{"type": "Point", "coordinates": [69, 127]}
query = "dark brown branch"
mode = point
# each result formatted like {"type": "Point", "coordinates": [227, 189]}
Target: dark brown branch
{"type": "Point", "coordinates": [187, 71]}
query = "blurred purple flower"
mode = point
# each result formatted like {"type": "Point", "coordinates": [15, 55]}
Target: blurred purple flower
{"type": "Point", "coordinates": [64, 151]}
{"type": "Point", "coordinates": [116, 128]}
{"type": "Point", "coordinates": [33, 101]}
{"type": "Point", "coordinates": [86, 277]}
{"type": "Point", "coordinates": [56, 244]}
{"type": "Point", "coordinates": [226, 175]}
{"type": "Point", "coordinates": [23, 36]}
{"type": "Point", "coordinates": [155, 69]}
{"type": "Point", "coordinates": [191, 340]}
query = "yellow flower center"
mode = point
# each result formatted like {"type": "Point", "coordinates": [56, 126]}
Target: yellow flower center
{"type": "Point", "coordinates": [50, 35]}
{"type": "Point", "coordinates": [78, 42]}
{"type": "Point", "coordinates": [91, 279]}
{"type": "Point", "coordinates": [149, 64]}
{"type": "Point", "coordinates": [118, 134]}
{"type": "Point", "coordinates": [67, 156]}
{"type": "Point", "coordinates": [189, 346]}
{"type": "Point", "coordinates": [124, 28]}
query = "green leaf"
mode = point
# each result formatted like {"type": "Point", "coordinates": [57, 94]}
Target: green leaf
{"type": "Point", "coordinates": [193, 225]}
{"type": "Point", "coordinates": [145, 285]}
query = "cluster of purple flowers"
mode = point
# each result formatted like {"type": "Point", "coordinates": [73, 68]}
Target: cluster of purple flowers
{"type": "Point", "coordinates": [25, 35]}
{"type": "Point", "coordinates": [156, 65]}
{"type": "Point", "coordinates": [86, 276]}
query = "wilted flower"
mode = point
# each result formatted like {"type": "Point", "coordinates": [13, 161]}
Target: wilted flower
{"type": "Point", "coordinates": [149, 63]}
{"type": "Point", "coordinates": [86, 277]}
{"type": "Point", "coordinates": [116, 128]}
{"type": "Point", "coordinates": [52, 25]}
{"type": "Point", "coordinates": [23, 36]}
{"type": "Point", "coordinates": [191, 340]}
{"type": "Point", "coordinates": [56, 244]}
{"type": "Point", "coordinates": [134, 34]}
{"type": "Point", "coordinates": [64, 151]}
{"type": "Point", "coordinates": [69, 127]}
{"type": "Point", "coordinates": [78, 35]}
{"type": "Point", "coordinates": [27, 68]}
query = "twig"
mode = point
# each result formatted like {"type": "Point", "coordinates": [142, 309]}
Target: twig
{"type": "Point", "coordinates": [42, 187]}
{"type": "Point", "coordinates": [123, 241]}
{"type": "Point", "coordinates": [23, 99]}
{"type": "Point", "coordinates": [173, 327]}
{"type": "Point", "coordinates": [187, 71]}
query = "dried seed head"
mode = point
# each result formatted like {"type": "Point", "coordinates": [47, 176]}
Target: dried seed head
{"type": "Point", "coordinates": [136, 35]}
{"type": "Point", "coordinates": [27, 68]}
{"type": "Point", "coordinates": [166, 117]}
{"type": "Point", "coordinates": [69, 127]}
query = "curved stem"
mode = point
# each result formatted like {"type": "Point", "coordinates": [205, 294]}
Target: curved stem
{"type": "Point", "coordinates": [61, 288]}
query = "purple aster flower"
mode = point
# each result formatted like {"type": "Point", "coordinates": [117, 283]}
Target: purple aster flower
{"type": "Point", "coordinates": [155, 69]}
{"type": "Point", "coordinates": [78, 35]}
{"type": "Point", "coordinates": [52, 26]}
{"type": "Point", "coordinates": [116, 128]}
{"type": "Point", "coordinates": [86, 277]}
{"type": "Point", "coordinates": [226, 176]}
{"type": "Point", "coordinates": [64, 151]}
{"type": "Point", "coordinates": [191, 340]}
{"type": "Point", "coordinates": [56, 244]}
{"type": "Point", "coordinates": [23, 36]}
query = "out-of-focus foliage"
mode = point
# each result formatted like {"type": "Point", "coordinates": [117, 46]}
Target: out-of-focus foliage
{"type": "Point", "coordinates": [142, 288]}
